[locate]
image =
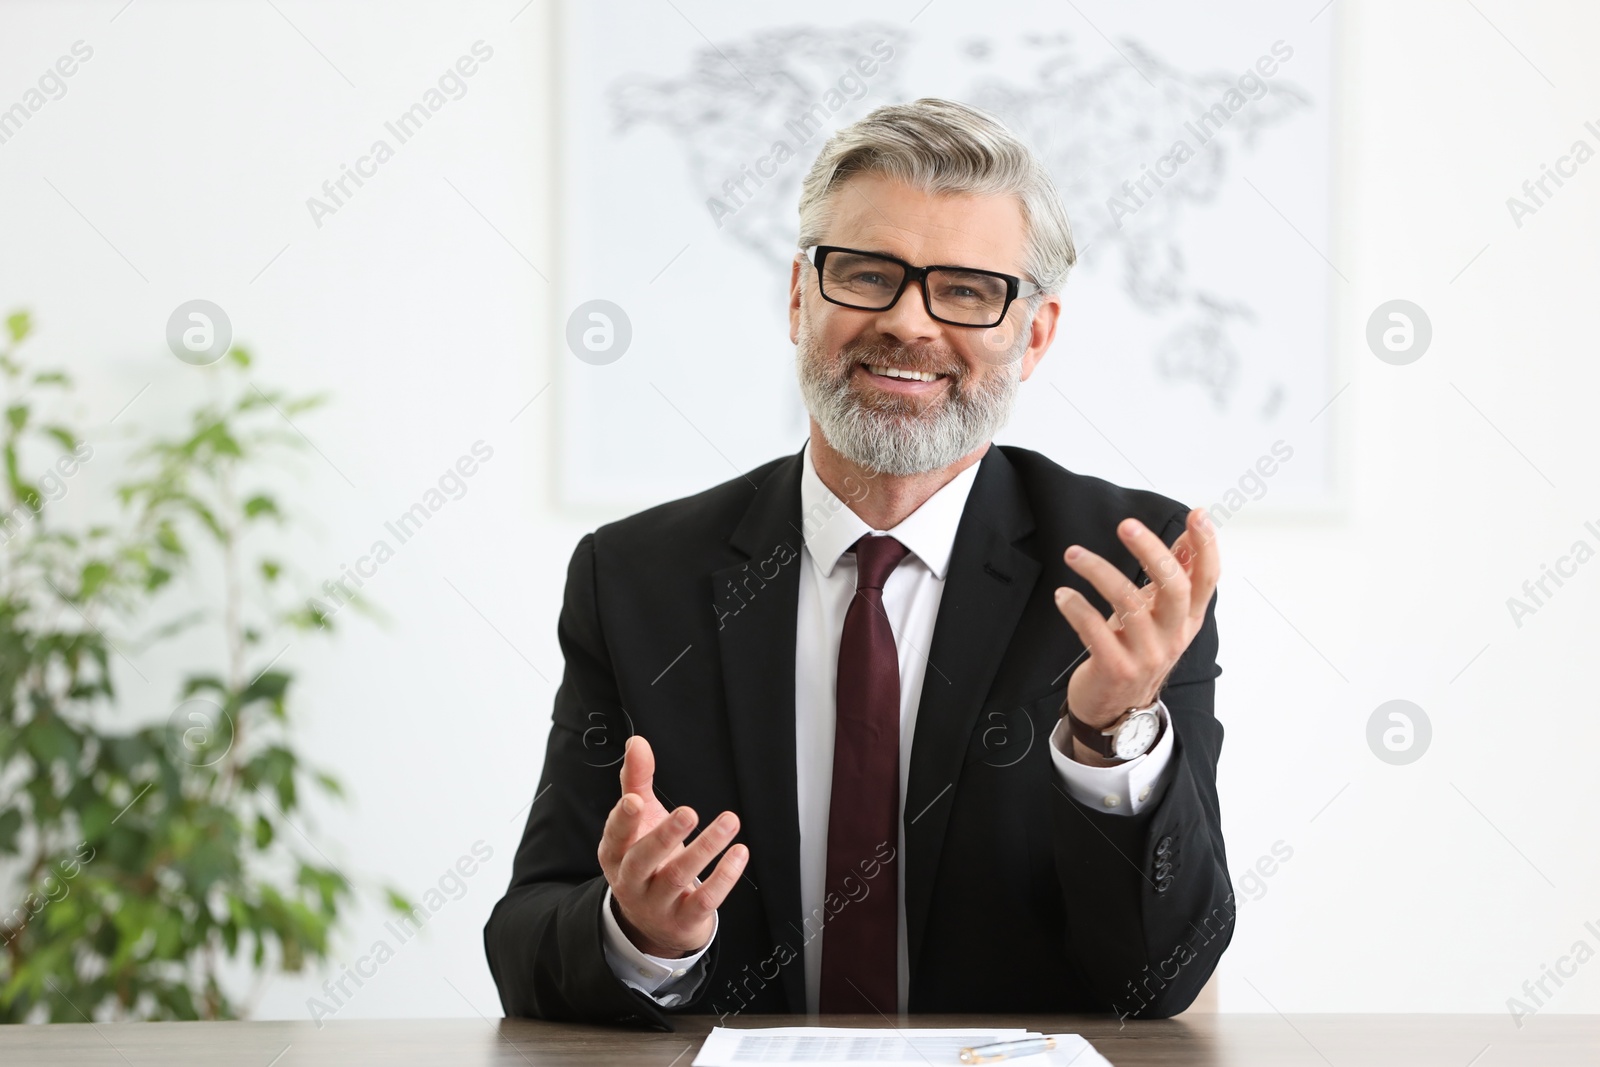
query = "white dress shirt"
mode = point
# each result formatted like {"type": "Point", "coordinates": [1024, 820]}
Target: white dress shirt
{"type": "Point", "coordinates": [911, 600]}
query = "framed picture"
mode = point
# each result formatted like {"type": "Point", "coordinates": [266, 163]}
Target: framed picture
{"type": "Point", "coordinates": [1191, 145]}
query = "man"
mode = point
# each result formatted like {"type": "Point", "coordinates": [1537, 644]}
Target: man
{"type": "Point", "coordinates": [887, 662]}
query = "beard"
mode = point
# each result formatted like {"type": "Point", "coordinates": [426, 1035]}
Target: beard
{"type": "Point", "coordinates": [903, 435]}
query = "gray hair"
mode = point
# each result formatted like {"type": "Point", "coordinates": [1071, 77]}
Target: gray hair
{"type": "Point", "coordinates": [941, 146]}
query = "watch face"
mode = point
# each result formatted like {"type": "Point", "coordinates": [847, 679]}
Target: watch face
{"type": "Point", "coordinates": [1137, 735]}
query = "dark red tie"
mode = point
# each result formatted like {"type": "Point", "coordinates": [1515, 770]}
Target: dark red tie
{"type": "Point", "coordinates": [859, 961]}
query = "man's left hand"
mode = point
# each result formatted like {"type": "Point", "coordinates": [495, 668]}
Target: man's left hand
{"type": "Point", "coordinates": [1131, 654]}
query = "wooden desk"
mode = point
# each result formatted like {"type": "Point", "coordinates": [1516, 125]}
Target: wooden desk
{"type": "Point", "coordinates": [1219, 1040]}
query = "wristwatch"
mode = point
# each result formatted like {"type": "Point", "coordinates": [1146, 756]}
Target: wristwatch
{"type": "Point", "coordinates": [1130, 737]}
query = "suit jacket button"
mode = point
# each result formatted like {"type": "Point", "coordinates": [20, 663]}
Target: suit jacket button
{"type": "Point", "coordinates": [1164, 885]}
{"type": "Point", "coordinates": [1164, 846]}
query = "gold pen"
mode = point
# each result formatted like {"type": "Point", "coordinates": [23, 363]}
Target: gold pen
{"type": "Point", "coordinates": [999, 1050]}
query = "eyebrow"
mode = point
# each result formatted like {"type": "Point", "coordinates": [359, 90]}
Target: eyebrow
{"type": "Point", "coordinates": [874, 252]}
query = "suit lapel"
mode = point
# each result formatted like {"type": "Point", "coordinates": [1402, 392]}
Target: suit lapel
{"type": "Point", "coordinates": [757, 612]}
{"type": "Point", "coordinates": [986, 588]}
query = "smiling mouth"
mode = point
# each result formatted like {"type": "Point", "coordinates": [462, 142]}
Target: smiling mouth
{"type": "Point", "coordinates": [879, 371]}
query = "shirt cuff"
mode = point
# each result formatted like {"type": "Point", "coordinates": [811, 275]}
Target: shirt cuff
{"type": "Point", "coordinates": [667, 981]}
{"type": "Point", "coordinates": [1121, 789]}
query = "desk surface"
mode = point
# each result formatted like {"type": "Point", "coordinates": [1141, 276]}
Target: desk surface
{"type": "Point", "coordinates": [1219, 1040]}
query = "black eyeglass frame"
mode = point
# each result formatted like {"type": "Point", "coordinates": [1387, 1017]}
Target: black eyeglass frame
{"type": "Point", "coordinates": [1016, 287]}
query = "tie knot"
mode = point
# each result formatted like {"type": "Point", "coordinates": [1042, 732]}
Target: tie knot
{"type": "Point", "coordinates": [876, 556]}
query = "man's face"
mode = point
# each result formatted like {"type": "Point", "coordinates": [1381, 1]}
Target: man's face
{"type": "Point", "coordinates": [900, 425]}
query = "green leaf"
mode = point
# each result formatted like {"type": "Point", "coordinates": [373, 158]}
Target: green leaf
{"type": "Point", "coordinates": [304, 403]}
{"type": "Point", "coordinates": [29, 496]}
{"type": "Point", "coordinates": [128, 754]}
{"type": "Point", "coordinates": [209, 683]}
{"type": "Point", "coordinates": [18, 325]}
{"type": "Point", "coordinates": [10, 824]}
{"type": "Point", "coordinates": [260, 505]}
{"type": "Point", "coordinates": [200, 510]}
{"type": "Point", "coordinates": [167, 538]}
{"type": "Point", "coordinates": [95, 820]}
{"type": "Point", "coordinates": [314, 616]}
{"type": "Point", "coordinates": [49, 740]}
{"type": "Point", "coordinates": [65, 437]}
{"type": "Point", "coordinates": [95, 574]}
{"type": "Point", "coordinates": [268, 685]}
{"type": "Point", "coordinates": [218, 438]}
{"type": "Point", "coordinates": [17, 417]}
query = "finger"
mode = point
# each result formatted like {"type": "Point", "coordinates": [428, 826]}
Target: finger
{"type": "Point", "coordinates": [1196, 549]}
{"type": "Point", "coordinates": [1093, 630]}
{"type": "Point", "coordinates": [1171, 603]}
{"type": "Point", "coordinates": [618, 835]}
{"type": "Point", "coordinates": [638, 767]}
{"type": "Point", "coordinates": [684, 867]}
{"type": "Point", "coordinates": [647, 855]}
{"type": "Point", "coordinates": [1124, 597]}
{"type": "Point", "coordinates": [1205, 566]}
{"type": "Point", "coordinates": [708, 897]}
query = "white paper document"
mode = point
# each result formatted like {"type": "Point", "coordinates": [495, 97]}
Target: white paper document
{"type": "Point", "coordinates": [836, 1046]}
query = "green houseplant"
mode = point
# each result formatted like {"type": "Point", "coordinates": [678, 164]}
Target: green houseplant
{"type": "Point", "coordinates": [136, 859]}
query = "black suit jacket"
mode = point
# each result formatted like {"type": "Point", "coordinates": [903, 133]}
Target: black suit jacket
{"type": "Point", "coordinates": [679, 624]}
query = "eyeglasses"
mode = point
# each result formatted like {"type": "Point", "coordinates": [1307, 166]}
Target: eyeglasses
{"type": "Point", "coordinates": [871, 281]}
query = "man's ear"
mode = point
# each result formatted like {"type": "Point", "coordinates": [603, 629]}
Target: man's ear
{"type": "Point", "coordinates": [1045, 320]}
{"type": "Point", "coordinates": [796, 276]}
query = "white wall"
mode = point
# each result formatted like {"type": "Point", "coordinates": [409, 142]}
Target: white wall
{"type": "Point", "coordinates": [192, 138]}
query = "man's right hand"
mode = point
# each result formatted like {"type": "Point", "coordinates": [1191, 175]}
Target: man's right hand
{"type": "Point", "coordinates": [652, 872]}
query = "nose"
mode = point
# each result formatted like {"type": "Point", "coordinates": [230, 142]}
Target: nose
{"type": "Point", "coordinates": [908, 321]}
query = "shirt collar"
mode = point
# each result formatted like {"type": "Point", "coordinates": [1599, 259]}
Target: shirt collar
{"type": "Point", "coordinates": [830, 527]}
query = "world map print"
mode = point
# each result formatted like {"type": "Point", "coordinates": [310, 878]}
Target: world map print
{"type": "Point", "coordinates": [1156, 157]}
